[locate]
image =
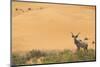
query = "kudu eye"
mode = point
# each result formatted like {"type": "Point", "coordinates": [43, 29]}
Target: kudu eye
{"type": "Point", "coordinates": [76, 36]}
{"type": "Point", "coordinates": [72, 36]}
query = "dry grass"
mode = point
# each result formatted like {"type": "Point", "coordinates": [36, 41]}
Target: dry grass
{"type": "Point", "coordinates": [42, 57]}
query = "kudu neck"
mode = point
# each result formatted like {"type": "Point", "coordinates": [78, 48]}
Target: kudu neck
{"type": "Point", "coordinates": [75, 40]}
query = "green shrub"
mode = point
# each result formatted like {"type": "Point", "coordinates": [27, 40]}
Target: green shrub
{"type": "Point", "coordinates": [53, 56]}
{"type": "Point", "coordinates": [88, 56]}
{"type": "Point", "coordinates": [36, 53]}
{"type": "Point", "coordinates": [18, 59]}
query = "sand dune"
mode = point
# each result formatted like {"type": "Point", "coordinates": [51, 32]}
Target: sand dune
{"type": "Point", "coordinates": [49, 28]}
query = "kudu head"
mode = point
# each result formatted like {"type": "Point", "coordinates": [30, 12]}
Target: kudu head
{"type": "Point", "coordinates": [75, 36]}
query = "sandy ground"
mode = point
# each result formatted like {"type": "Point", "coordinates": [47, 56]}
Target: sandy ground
{"type": "Point", "coordinates": [48, 26]}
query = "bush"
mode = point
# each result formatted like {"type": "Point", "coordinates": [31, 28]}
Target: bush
{"type": "Point", "coordinates": [36, 53]}
{"type": "Point", "coordinates": [88, 56]}
{"type": "Point", "coordinates": [18, 59]}
{"type": "Point", "coordinates": [53, 56]}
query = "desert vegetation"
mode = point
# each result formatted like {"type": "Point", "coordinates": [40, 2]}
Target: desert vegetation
{"type": "Point", "coordinates": [53, 56]}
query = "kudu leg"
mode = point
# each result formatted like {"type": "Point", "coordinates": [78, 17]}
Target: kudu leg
{"type": "Point", "coordinates": [78, 48]}
{"type": "Point", "coordinates": [85, 49]}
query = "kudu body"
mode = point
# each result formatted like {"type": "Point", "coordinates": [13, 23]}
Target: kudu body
{"type": "Point", "coordinates": [79, 43]}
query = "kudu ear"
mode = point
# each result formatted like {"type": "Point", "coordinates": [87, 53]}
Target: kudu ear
{"type": "Point", "coordinates": [77, 35]}
{"type": "Point", "coordinates": [72, 35]}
